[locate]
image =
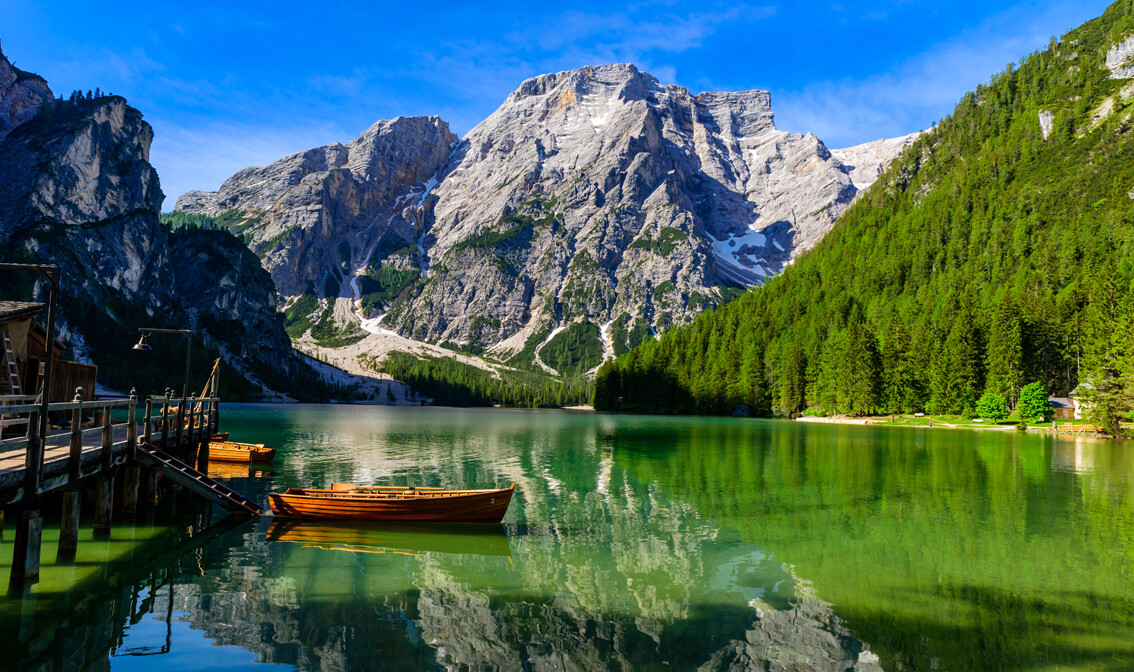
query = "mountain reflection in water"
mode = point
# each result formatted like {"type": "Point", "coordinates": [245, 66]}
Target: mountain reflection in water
{"type": "Point", "coordinates": [633, 544]}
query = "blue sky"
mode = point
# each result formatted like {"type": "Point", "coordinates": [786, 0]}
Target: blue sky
{"type": "Point", "coordinates": [233, 84]}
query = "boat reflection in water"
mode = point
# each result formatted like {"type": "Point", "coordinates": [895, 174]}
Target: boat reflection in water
{"type": "Point", "coordinates": [219, 469]}
{"type": "Point", "coordinates": [369, 537]}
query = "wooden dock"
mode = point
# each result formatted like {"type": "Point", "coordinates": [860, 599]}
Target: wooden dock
{"type": "Point", "coordinates": [86, 443]}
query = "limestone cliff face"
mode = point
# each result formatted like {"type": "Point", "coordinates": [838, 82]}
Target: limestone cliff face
{"type": "Point", "coordinates": [591, 195]}
{"type": "Point", "coordinates": [600, 194]}
{"type": "Point", "coordinates": [21, 94]}
{"type": "Point", "coordinates": [78, 191]}
{"type": "Point", "coordinates": [316, 216]}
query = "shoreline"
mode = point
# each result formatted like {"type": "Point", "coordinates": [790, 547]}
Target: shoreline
{"type": "Point", "coordinates": [884, 421]}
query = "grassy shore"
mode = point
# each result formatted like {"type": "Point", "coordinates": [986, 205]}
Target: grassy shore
{"type": "Point", "coordinates": [945, 421]}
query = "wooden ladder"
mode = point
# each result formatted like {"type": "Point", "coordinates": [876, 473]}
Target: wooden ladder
{"type": "Point", "coordinates": [199, 483]}
{"type": "Point", "coordinates": [13, 373]}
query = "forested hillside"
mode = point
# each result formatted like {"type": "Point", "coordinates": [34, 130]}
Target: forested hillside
{"type": "Point", "coordinates": [997, 251]}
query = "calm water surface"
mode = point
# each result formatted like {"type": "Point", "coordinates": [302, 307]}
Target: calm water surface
{"type": "Point", "coordinates": [639, 543]}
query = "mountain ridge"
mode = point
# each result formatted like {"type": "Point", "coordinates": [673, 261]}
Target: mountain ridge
{"type": "Point", "coordinates": [594, 195]}
{"type": "Point", "coordinates": [79, 192]}
{"type": "Point", "coordinates": [995, 252]}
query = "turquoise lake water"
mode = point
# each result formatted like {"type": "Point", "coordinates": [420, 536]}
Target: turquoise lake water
{"type": "Point", "coordinates": [632, 543]}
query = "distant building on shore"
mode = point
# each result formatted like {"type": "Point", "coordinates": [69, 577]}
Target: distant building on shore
{"type": "Point", "coordinates": [1065, 408]}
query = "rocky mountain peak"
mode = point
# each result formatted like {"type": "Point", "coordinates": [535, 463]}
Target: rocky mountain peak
{"type": "Point", "coordinates": [315, 216]}
{"type": "Point", "coordinates": [79, 191]}
{"type": "Point", "coordinates": [595, 197]}
{"type": "Point", "coordinates": [21, 94]}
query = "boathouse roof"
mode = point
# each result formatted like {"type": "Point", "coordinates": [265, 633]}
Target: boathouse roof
{"type": "Point", "coordinates": [1061, 402]}
{"type": "Point", "coordinates": [11, 311]}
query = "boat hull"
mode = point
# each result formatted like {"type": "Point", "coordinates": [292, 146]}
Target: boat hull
{"type": "Point", "coordinates": [475, 506]}
{"type": "Point", "coordinates": [230, 451]}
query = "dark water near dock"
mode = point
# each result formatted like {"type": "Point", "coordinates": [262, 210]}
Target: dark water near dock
{"type": "Point", "coordinates": [640, 543]}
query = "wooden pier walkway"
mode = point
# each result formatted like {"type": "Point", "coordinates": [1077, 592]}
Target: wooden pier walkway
{"type": "Point", "coordinates": [170, 440]}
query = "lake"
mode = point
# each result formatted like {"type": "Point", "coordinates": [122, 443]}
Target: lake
{"type": "Point", "coordinates": [644, 543]}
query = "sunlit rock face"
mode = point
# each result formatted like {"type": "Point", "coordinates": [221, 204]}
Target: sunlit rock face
{"type": "Point", "coordinates": [79, 192]}
{"type": "Point", "coordinates": [21, 94]}
{"type": "Point", "coordinates": [317, 215]}
{"type": "Point", "coordinates": [595, 194]}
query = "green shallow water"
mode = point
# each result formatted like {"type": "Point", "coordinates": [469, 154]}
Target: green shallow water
{"type": "Point", "coordinates": [632, 543]}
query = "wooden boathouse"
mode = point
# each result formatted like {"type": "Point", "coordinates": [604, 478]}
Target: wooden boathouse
{"type": "Point", "coordinates": [127, 447]}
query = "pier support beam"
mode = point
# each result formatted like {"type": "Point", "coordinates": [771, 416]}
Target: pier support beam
{"type": "Point", "coordinates": [202, 458]}
{"type": "Point", "coordinates": [151, 490]}
{"type": "Point", "coordinates": [69, 520]}
{"type": "Point", "coordinates": [131, 481]}
{"type": "Point", "coordinates": [69, 526]}
{"type": "Point", "coordinates": [25, 554]}
{"type": "Point", "coordinates": [104, 505]}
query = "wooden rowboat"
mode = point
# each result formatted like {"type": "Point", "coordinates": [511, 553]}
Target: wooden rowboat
{"type": "Point", "coordinates": [394, 504]}
{"type": "Point", "coordinates": [231, 451]}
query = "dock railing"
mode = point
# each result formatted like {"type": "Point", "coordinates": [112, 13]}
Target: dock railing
{"type": "Point", "coordinates": [76, 448]}
{"type": "Point", "coordinates": [89, 440]}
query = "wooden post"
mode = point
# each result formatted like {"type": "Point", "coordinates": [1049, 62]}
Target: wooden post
{"type": "Point", "coordinates": [104, 497]}
{"type": "Point", "coordinates": [216, 401]}
{"type": "Point", "coordinates": [149, 476]}
{"type": "Point", "coordinates": [132, 477]}
{"type": "Point", "coordinates": [69, 518]}
{"type": "Point", "coordinates": [104, 504]}
{"type": "Point", "coordinates": [75, 458]}
{"type": "Point", "coordinates": [153, 496]}
{"type": "Point", "coordinates": [181, 429]}
{"type": "Point", "coordinates": [165, 422]}
{"type": "Point", "coordinates": [69, 527]}
{"type": "Point", "coordinates": [132, 427]}
{"type": "Point", "coordinates": [25, 555]}
{"type": "Point", "coordinates": [203, 457]}
{"type": "Point", "coordinates": [148, 430]}
{"type": "Point", "coordinates": [33, 458]}
{"type": "Point", "coordinates": [107, 439]}
{"type": "Point", "coordinates": [194, 427]}
{"type": "Point", "coordinates": [29, 522]}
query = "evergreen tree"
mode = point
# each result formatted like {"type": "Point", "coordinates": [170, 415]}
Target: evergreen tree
{"type": "Point", "coordinates": [608, 387]}
{"type": "Point", "coordinates": [859, 371]}
{"type": "Point", "coordinates": [968, 261]}
{"type": "Point", "coordinates": [1004, 359]}
{"type": "Point", "coordinates": [899, 372]}
{"type": "Point", "coordinates": [1101, 392]}
{"type": "Point", "coordinates": [792, 381]}
{"type": "Point", "coordinates": [827, 382]}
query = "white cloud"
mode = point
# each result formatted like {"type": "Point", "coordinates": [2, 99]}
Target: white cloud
{"type": "Point", "coordinates": [920, 90]}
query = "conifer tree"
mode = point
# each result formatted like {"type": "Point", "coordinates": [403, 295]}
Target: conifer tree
{"type": "Point", "coordinates": [859, 371]}
{"type": "Point", "coordinates": [792, 380]}
{"type": "Point", "coordinates": [1101, 389]}
{"type": "Point", "coordinates": [827, 382]}
{"type": "Point", "coordinates": [1004, 359]}
{"type": "Point", "coordinates": [899, 371]}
